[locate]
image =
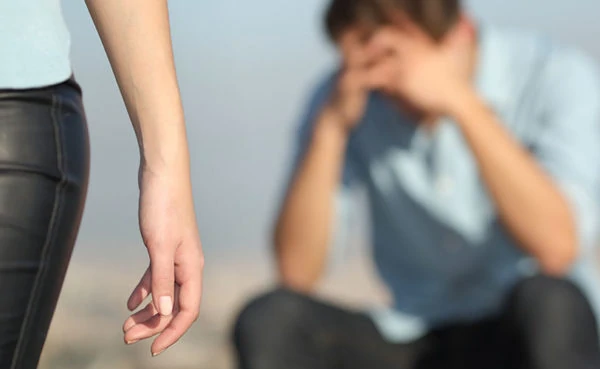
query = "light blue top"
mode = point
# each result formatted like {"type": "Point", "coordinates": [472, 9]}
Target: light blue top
{"type": "Point", "coordinates": [437, 242]}
{"type": "Point", "coordinates": [34, 44]}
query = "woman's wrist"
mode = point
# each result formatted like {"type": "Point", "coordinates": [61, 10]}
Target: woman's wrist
{"type": "Point", "coordinates": [167, 165]}
{"type": "Point", "coordinates": [163, 147]}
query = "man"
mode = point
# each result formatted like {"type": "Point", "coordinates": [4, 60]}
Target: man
{"type": "Point", "coordinates": [479, 150]}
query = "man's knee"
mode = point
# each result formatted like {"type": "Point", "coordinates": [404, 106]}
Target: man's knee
{"type": "Point", "coordinates": [270, 317]}
{"type": "Point", "coordinates": [548, 298]}
{"type": "Point", "coordinates": [554, 323]}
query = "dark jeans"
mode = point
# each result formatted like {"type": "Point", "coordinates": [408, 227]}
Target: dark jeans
{"type": "Point", "coordinates": [44, 161]}
{"type": "Point", "coordinates": [548, 324]}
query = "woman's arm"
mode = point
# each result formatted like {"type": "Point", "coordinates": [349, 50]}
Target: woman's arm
{"type": "Point", "coordinates": [136, 36]}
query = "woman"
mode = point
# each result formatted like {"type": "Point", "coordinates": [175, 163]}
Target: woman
{"type": "Point", "coordinates": [44, 158]}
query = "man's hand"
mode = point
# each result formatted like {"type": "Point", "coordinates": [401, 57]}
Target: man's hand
{"type": "Point", "coordinates": [174, 277]}
{"type": "Point", "coordinates": [349, 98]}
{"type": "Point", "coordinates": [414, 68]}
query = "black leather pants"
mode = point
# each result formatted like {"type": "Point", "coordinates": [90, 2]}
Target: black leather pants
{"type": "Point", "coordinates": [44, 164]}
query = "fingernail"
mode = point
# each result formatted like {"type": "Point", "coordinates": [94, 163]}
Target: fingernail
{"type": "Point", "coordinates": [131, 342]}
{"type": "Point", "coordinates": [166, 305]}
{"type": "Point", "coordinates": [157, 353]}
{"type": "Point", "coordinates": [127, 326]}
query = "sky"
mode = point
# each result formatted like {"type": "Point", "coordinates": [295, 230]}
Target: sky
{"type": "Point", "coordinates": [245, 70]}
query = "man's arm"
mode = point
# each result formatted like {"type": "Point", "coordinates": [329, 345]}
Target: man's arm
{"type": "Point", "coordinates": [539, 198]}
{"type": "Point", "coordinates": [303, 229]}
{"type": "Point", "coordinates": [545, 202]}
{"type": "Point", "coordinates": [529, 203]}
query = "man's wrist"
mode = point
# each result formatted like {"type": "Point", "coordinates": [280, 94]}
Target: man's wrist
{"type": "Point", "coordinates": [332, 122]}
{"type": "Point", "coordinates": [462, 101]}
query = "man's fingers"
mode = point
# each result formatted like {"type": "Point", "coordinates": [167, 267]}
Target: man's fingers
{"type": "Point", "coordinates": [140, 292]}
{"type": "Point", "coordinates": [353, 51]}
{"type": "Point", "coordinates": [163, 280]}
{"type": "Point", "coordinates": [352, 80]}
{"type": "Point", "coordinates": [386, 42]}
{"type": "Point", "coordinates": [356, 59]}
{"type": "Point", "coordinates": [349, 42]}
{"type": "Point", "coordinates": [383, 75]}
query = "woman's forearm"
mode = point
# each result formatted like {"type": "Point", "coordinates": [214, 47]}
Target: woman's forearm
{"type": "Point", "coordinates": [137, 39]}
{"type": "Point", "coordinates": [136, 36]}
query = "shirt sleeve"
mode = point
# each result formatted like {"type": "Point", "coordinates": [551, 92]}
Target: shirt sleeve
{"type": "Point", "coordinates": [345, 199]}
{"type": "Point", "coordinates": [568, 146]}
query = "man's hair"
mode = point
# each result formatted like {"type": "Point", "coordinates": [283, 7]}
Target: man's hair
{"type": "Point", "coordinates": [435, 17]}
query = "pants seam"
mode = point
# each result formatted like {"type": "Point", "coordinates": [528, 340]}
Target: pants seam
{"type": "Point", "coordinates": [46, 254]}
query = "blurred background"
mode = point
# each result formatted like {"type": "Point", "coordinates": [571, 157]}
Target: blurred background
{"type": "Point", "coordinates": [245, 70]}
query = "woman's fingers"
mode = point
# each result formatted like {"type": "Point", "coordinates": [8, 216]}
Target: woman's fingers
{"type": "Point", "coordinates": [162, 267]}
{"type": "Point", "coordinates": [140, 292]}
{"type": "Point", "coordinates": [141, 316]}
{"type": "Point", "coordinates": [188, 296]}
{"type": "Point", "coordinates": [147, 328]}
{"type": "Point", "coordinates": [187, 293]}
{"type": "Point", "coordinates": [173, 331]}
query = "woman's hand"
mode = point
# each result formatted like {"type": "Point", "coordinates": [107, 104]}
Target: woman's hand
{"type": "Point", "coordinates": [136, 36]}
{"type": "Point", "coordinates": [168, 227]}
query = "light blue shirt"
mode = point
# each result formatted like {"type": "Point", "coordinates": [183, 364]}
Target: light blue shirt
{"type": "Point", "coordinates": [34, 44]}
{"type": "Point", "coordinates": [437, 242]}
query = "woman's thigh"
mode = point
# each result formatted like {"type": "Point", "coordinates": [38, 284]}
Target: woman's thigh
{"type": "Point", "coordinates": [44, 161]}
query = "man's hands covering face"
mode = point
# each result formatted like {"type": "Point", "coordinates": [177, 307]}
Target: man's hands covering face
{"type": "Point", "coordinates": [406, 64]}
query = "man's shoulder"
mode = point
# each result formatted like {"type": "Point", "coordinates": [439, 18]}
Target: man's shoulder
{"type": "Point", "coordinates": [319, 91]}
{"type": "Point", "coordinates": [534, 62]}
{"type": "Point", "coordinates": [538, 49]}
